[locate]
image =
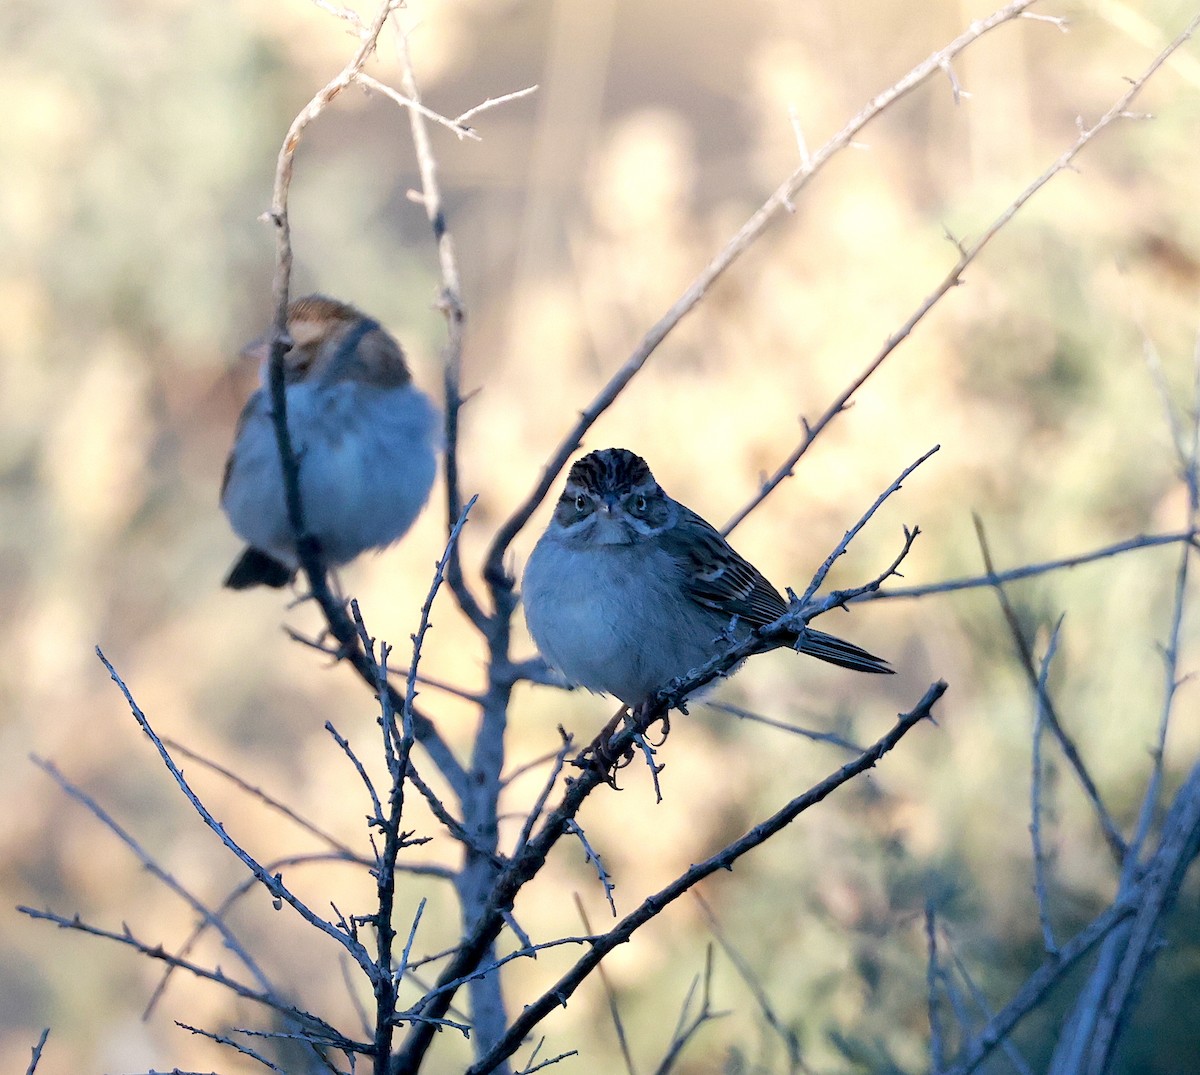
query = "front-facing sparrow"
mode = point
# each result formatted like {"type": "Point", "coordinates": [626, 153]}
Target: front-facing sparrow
{"type": "Point", "coordinates": [364, 436]}
{"type": "Point", "coordinates": [628, 589]}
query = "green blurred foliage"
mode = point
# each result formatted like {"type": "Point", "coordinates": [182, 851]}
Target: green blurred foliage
{"type": "Point", "coordinates": [139, 143]}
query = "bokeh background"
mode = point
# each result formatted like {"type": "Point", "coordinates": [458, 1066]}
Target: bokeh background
{"type": "Point", "coordinates": [138, 147]}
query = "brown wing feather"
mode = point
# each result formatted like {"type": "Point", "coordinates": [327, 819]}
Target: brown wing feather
{"type": "Point", "coordinates": [717, 576]}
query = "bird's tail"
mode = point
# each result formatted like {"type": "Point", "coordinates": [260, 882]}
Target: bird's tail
{"type": "Point", "coordinates": [840, 652]}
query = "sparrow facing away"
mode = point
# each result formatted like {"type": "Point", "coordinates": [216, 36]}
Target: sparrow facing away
{"type": "Point", "coordinates": [628, 589]}
{"type": "Point", "coordinates": [365, 438]}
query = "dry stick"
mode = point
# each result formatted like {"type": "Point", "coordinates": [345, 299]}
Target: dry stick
{"type": "Point", "coordinates": [788, 1036]}
{"type": "Point", "coordinates": [844, 544]}
{"type": "Point", "coordinates": [1040, 887]}
{"type": "Point", "coordinates": [1029, 571]}
{"type": "Point", "coordinates": [307, 548]}
{"type": "Point", "coordinates": [37, 1052]}
{"type": "Point", "coordinates": [1010, 1050]}
{"type": "Point", "coordinates": [1048, 713]}
{"type": "Point", "coordinates": [685, 1031]}
{"type": "Point", "coordinates": [222, 1039]}
{"type": "Point", "coordinates": [451, 304]}
{"type": "Point", "coordinates": [933, 971]}
{"type": "Point", "coordinates": [779, 203]}
{"type": "Point", "coordinates": [609, 993]}
{"type": "Point", "coordinates": [263, 796]}
{"type": "Point", "coordinates": [248, 885]}
{"type": "Point", "coordinates": [320, 1033]}
{"type": "Point", "coordinates": [273, 884]}
{"type": "Point", "coordinates": [562, 990]}
{"type": "Point", "coordinates": [1092, 1030]}
{"type": "Point", "coordinates": [967, 254]}
{"type": "Point", "coordinates": [807, 733]}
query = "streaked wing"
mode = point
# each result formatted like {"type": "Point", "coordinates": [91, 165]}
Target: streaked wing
{"type": "Point", "coordinates": [716, 576]}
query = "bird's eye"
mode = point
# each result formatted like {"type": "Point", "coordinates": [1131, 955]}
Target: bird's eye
{"type": "Point", "coordinates": [581, 502]}
{"type": "Point", "coordinates": [639, 504]}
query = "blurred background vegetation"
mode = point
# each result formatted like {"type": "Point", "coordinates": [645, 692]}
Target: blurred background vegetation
{"type": "Point", "coordinates": [138, 145]}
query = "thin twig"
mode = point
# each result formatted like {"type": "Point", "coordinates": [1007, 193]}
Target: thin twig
{"type": "Point", "coordinates": [758, 718]}
{"type": "Point", "coordinates": [967, 252]}
{"type": "Point", "coordinates": [208, 917]}
{"type": "Point", "coordinates": [593, 857]}
{"type": "Point", "coordinates": [610, 994]}
{"type": "Point", "coordinates": [1040, 887]}
{"type": "Point", "coordinates": [561, 991]}
{"type": "Point", "coordinates": [844, 544]}
{"type": "Point", "coordinates": [933, 972]}
{"type": "Point", "coordinates": [779, 203]}
{"type": "Point", "coordinates": [37, 1052]}
{"type": "Point", "coordinates": [273, 884]}
{"type": "Point", "coordinates": [326, 1033]}
{"type": "Point", "coordinates": [1108, 827]}
{"type": "Point", "coordinates": [451, 304]}
{"type": "Point", "coordinates": [1029, 571]}
{"type": "Point", "coordinates": [222, 1039]}
{"type": "Point", "coordinates": [686, 1029]}
{"type": "Point", "coordinates": [396, 97]}
{"type": "Point", "coordinates": [791, 1042]}
{"type": "Point", "coordinates": [258, 793]}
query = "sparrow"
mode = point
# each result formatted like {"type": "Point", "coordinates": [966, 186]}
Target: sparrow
{"type": "Point", "coordinates": [628, 589]}
{"type": "Point", "coordinates": [364, 435]}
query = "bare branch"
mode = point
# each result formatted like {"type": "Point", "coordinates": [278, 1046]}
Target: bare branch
{"type": "Point", "coordinates": [610, 995]}
{"type": "Point", "coordinates": [967, 252]}
{"type": "Point", "coordinates": [791, 1042]}
{"type": "Point", "coordinates": [1112, 835]}
{"type": "Point", "coordinates": [844, 544]}
{"type": "Point", "coordinates": [933, 972]}
{"type": "Point", "coordinates": [324, 1033]}
{"type": "Point", "coordinates": [208, 918]}
{"type": "Point", "coordinates": [37, 1052]}
{"type": "Point", "coordinates": [1035, 797]}
{"type": "Point", "coordinates": [687, 1029]}
{"type": "Point", "coordinates": [237, 1046]}
{"type": "Point", "coordinates": [779, 202]}
{"type": "Point", "coordinates": [1029, 571]}
{"type": "Point", "coordinates": [374, 85]}
{"type": "Point", "coordinates": [1039, 984]}
{"type": "Point", "coordinates": [258, 793]}
{"type": "Point", "coordinates": [592, 857]}
{"type": "Point", "coordinates": [558, 994]}
{"type": "Point", "coordinates": [273, 884]}
{"type": "Point", "coordinates": [451, 304]}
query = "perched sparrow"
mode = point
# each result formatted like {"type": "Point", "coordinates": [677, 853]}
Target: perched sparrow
{"type": "Point", "coordinates": [628, 589]}
{"type": "Point", "coordinates": [363, 434]}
